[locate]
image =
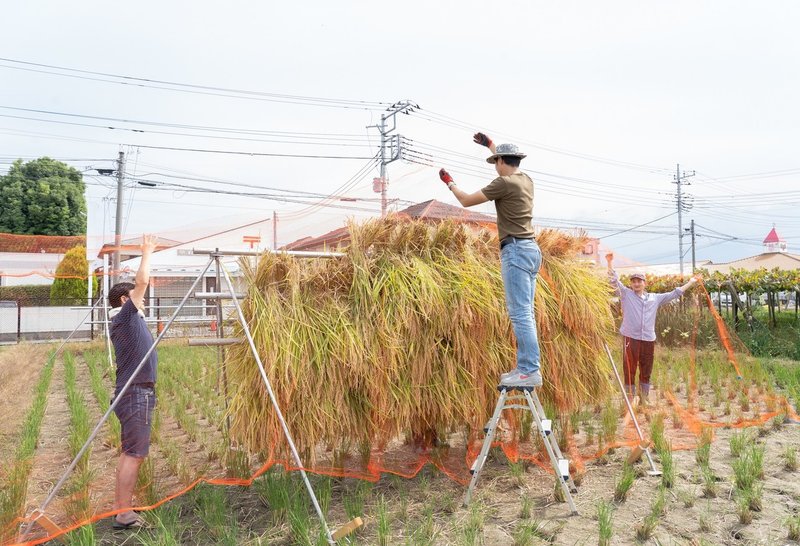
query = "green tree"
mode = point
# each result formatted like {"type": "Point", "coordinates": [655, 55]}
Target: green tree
{"type": "Point", "coordinates": [42, 197]}
{"type": "Point", "coordinates": [70, 281]}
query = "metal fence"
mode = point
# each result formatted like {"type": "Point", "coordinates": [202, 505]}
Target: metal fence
{"type": "Point", "coordinates": [41, 319]}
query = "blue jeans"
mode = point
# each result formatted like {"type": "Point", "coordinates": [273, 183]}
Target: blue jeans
{"type": "Point", "coordinates": [519, 264]}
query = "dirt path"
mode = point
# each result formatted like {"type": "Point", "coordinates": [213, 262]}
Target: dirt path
{"type": "Point", "coordinates": [20, 366]}
{"type": "Point", "coordinates": [52, 453]}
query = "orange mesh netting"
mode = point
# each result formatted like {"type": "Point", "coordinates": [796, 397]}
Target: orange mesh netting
{"type": "Point", "coordinates": [190, 446]}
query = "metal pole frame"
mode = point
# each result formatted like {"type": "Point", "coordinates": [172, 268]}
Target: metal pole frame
{"type": "Point", "coordinates": [106, 287]}
{"type": "Point", "coordinates": [653, 470]}
{"type": "Point", "coordinates": [111, 408]}
{"type": "Point", "coordinates": [277, 408]}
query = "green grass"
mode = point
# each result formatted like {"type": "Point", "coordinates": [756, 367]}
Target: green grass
{"type": "Point", "coordinates": [749, 467]}
{"type": "Point", "coordinates": [710, 487]}
{"type": "Point", "coordinates": [168, 529]}
{"type": "Point", "coordinates": [624, 483]}
{"type": "Point", "coordinates": [95, 362]}
{"type": "Point", "coordinates": [793, 527]}
{"type": "Point", "coordinates": [383, 527]}
{"type": "Point", "coordinates": [473, 527]}
{"type": "Point", "coordinates": [738, 441]}
{"type": "Point", "coordinates": [211, 506]}
{"type": "Point", "coordinates": [605, 515]}
{"type": "Point", "coordinates": [528, 533]}
{"type": "Point", "coordinates": [667, 465]}
{"type": "Point", "coordinates": [790, 458]}
{"type": "Point", "coordinates": [82, 536]}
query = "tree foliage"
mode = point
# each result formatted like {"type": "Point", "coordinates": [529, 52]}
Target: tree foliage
{"type": "Point", "coordinates": [759, 281]}
{"type": "Point", "coordinates": [71, 277]}
{"type": "Point", "coordinates": [42, 197]}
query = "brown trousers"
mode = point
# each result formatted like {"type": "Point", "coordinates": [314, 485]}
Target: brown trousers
{"type": "Point", "coordinates": [638, 354]}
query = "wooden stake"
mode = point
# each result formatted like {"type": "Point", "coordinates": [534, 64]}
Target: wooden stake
{"type": "Point", "coordinates": [47, 524]}
{"type": "Point", "coordinates": [348, 528]}
{"type": "Point", "coordinates": [636, 454]}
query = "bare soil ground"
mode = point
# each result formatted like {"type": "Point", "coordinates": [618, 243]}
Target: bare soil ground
{"type": "Point", "coordinates": [19, 372]}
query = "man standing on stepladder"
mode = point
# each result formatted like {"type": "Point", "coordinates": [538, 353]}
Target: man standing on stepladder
{"type": "Point", "coordinates": [132, 339]}
{"type": "Point", "coordinates": [520, 257]}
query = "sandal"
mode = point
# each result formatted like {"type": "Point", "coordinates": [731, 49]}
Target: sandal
{"type": "Point", "coordinates": [135, 524]}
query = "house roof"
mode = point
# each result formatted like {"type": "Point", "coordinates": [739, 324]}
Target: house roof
{"type": "Point", "coordinates": [133, 246]}
{"type": "Point", "coordinates": [327, 240]}
{"type": "Point", "coordinates": [772, 237]}
{"type": "Point", "coordinates": [436, 210]}
{"type": "Point", "coordinates": [767, 260]}
{"type": "Point", "coordinates": [427, 210]}
{"type": "Point", "coordinates": [37, 244]}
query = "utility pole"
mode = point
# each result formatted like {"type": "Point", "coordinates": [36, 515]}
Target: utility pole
{"type": "Point", "coordinates": [274, 230]}
{"type": "Point", "coordinates": [680, 181]}
{"type": "Point", "coordinates": [694, 256]}
{"type": "Point", "coordinates": [118, 228]}
{"type": "Point", "coordinates": [391, 146]}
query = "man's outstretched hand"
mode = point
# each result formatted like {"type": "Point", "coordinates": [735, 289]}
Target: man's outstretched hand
{"type": "Point", "coordinates": [149, 243]}
{"type": "Point", "coordinates": [482, 139]}
{"type": "Point", "coordinates": [445, 177]}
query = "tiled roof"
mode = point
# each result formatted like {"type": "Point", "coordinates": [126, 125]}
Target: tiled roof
{"type": "Point", "coordinates": [428, 210]}
{"type": "Point", "coordinates": [34, 244]}
{"type": "Point", "coordinates": [328, 240]}
{"type": "Point", "coordinates": [436, 210]}
{"type": "Point", "coordinates": [767, 260]}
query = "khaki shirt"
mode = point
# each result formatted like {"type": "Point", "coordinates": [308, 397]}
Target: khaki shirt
{"type": "Point", "coordinates": [513, 200]}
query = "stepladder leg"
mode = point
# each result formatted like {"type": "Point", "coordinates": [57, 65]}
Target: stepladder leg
{"type": "Point", "coordinates": [490, 429]}
{"type": "Point", "coordinates": [559, 463]}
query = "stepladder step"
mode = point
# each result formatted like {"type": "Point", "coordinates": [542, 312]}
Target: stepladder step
{"type": "Point", "coordinates": [547, 426]}
{"type": "Point", "coordinates": [563, 468]}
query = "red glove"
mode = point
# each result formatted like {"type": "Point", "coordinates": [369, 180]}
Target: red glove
{"type": "Point", "coordinates": [483, 140]}
{"type": "Point", "coordinates": [445, 176]}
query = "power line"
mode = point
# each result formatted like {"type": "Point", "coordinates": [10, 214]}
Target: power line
{"type": "Point", "coordinates": [636, 227]}
{"type": "Point", "coordinates": [192, 88]}
{"type": "Point", "coordinates": [470, 127]}
{"type": "Point", "coordinates": [173, 125]}
{"type": "Point", "coordinates": [191, 135]}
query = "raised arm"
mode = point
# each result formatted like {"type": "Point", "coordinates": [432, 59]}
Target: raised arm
{"type": "Point", "coordinates": [466, 199]}
{"type": "Point", "coordinates": [149, 243]}
{"type": "Point", "coordinates": [612, 275]}
{"type": "Point", "coordinates": [667, 297]}
{"type": "Point", "coordinates": [694, 280]}
{"type": "Point", "coordinates": [483, 140]}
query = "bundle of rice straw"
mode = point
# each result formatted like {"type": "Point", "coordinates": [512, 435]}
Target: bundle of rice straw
{"type": "Point", "coordinates": [406, 334]}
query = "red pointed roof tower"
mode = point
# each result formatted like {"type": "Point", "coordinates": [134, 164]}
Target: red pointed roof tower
{"type": "Point", "coordinates": [773, 242]}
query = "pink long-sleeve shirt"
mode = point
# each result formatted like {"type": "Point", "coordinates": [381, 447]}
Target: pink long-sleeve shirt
{"type": "Point", "coordinates": [639, 312]}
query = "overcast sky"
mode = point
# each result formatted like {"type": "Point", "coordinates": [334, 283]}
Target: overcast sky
{"type": "Point", "coordinates": [605, 97]}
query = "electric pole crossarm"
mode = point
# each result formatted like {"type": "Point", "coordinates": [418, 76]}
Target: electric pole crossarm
{"type": "Point", "coordinates": [391, 145]}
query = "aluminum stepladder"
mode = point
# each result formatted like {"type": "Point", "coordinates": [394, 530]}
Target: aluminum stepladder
{"type": "Point", "coordinates": [543, 425]}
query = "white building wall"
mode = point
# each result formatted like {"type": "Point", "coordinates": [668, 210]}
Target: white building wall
{"type": "Point", "coordinates": [37, 268]}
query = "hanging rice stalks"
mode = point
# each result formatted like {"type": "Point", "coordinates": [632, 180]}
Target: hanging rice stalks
{"type": "Point", "coordinates": [406, 336]}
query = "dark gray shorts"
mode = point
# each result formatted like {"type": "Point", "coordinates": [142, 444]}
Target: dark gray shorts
{"type": "Point", "coordinates": [135, 414]}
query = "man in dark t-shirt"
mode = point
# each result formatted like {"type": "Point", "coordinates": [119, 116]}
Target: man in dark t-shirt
{"type": "Point", "coordinates": [520, 257]}
{"type": "Point", "coordinates": [132, 340]}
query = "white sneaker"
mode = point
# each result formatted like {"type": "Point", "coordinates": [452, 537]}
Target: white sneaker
{"type": "Point", "coordinates": [523, 380]}
{"type": "Point", "coordinates": [506, 375]}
